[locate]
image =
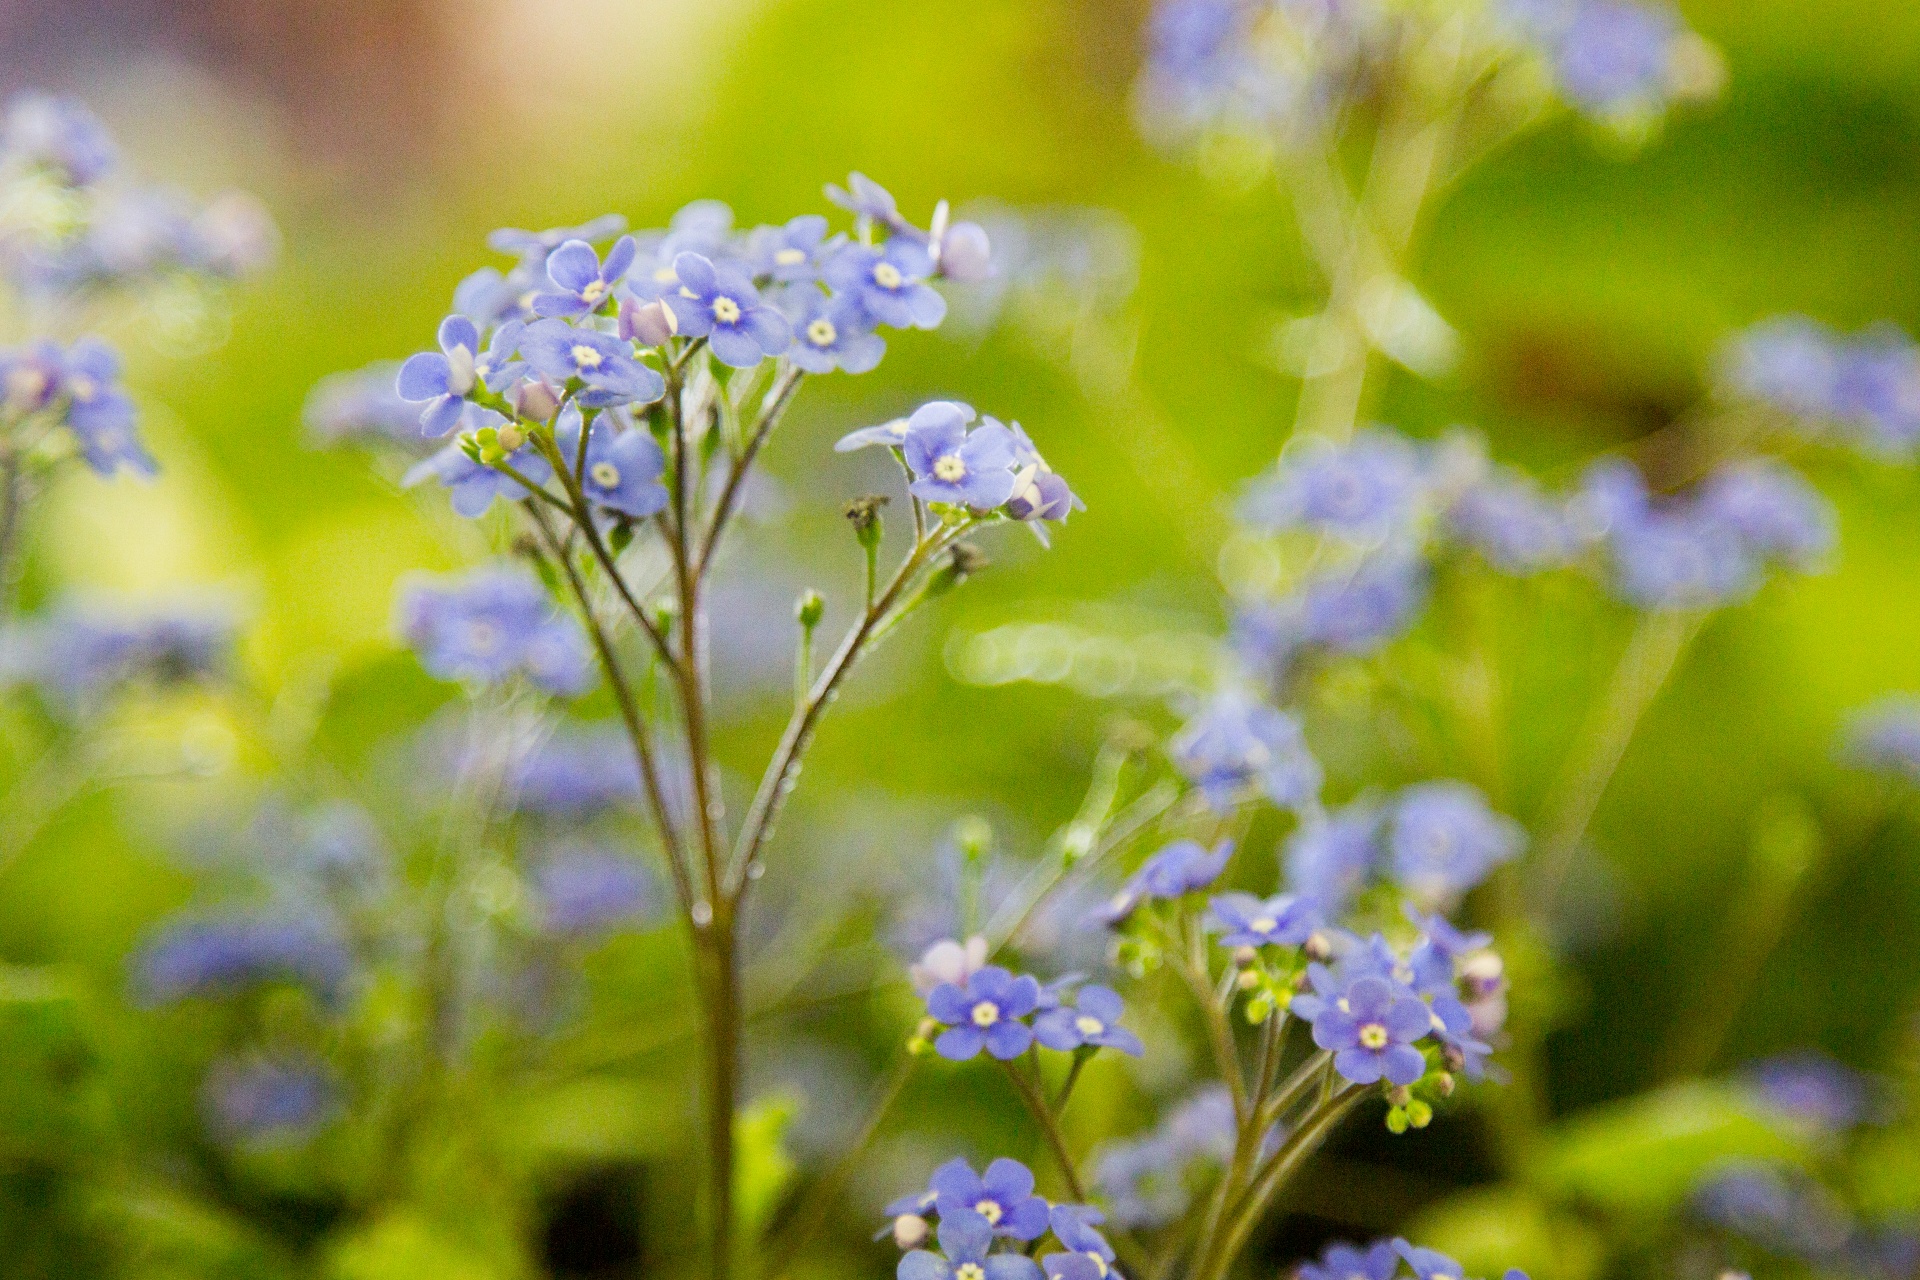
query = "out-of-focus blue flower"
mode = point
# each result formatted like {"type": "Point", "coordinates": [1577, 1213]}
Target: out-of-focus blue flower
{"type": "Point", "coordinates": [954, 465]}
{"type": "Point", "coordinates": [1093, 1019]}
{"type": "Point", "coordinates": [985, 1013]}
{"type": "Point", "coordinates": [99, 412]}
{"type": "Point", "coordinates": [59, 135]}
{"type": "Point", "coordinates": [1776, 514]}
{"type": "Point", "coordinates": [790, 254]}
{"type": "Point", "coordinates": [889, 283]}
{"type": "Point", "coordinates": [601, 361]}
{"type": "Point", "coordinates": [1328, 860]}
{"type": "Point", "coordinates": [1359, 490]}
{"type": "Point", "coordinates": [1429, 1264]}
{"type": "Point", "coordinates": [537, 245]}
{"type": "Point", "coordinates": [623, 468]}
{"type": "Point", "coordinates": [1370, 1031]}
{"type": "Point", "coordinates": [1867, 385]}
{"type": "Point", "coordinates": [217, 954]}
{"type": "Point", "coordinates": [1246, 921]}
{"type": "Point", "coordinates": [865, 198]}
{"type": "Point", "coordinates": [585, 892]}
{"type": "Point", "coordinates": [1784, 1215]}
{"type": "Point", "coordinates": [1811, 1087]}
{"type": "Point", "coordinates": [361, 404]}
{"type": "Point", "coordinates": [717, 301]}
{"type": "Point", "coordinates": [78, 651]}
{"type": "Point", "coordinates": [1611, 59]}
{"type": "Point", "coordinates": [1003, 1197]}
{"type": "Point", "coordinates": [582, 283]}
{"type": "Point", "coordinates": [965, 1241]}
{"type": "Point", "coordinates": [1183, 867]}
{"type": "Point", "coordinates": [1446, 839]}
{"type": "Point", "coordinates": [1235, 744]}
{"type": "Point", "coordinates": [831, 333]}
{"type": "Point", "coordinates": [577, 773]}
{"type": "Point", "coordinates": [264, 1099]}
{"type": "Point", "coordinates": [1513, 525]}
{"type": "Point", "coordinates": [1377, 1261]}
{"type": "Point", "coordinates": [493, 624]}
{"type": "Point", "coordinates": [1358, 611]}
{"type": "Point", "coordinates": [1142, 1179]}
{"type": "Point", "coordinates": [1884, 736]}
{"type": "Point", "coordinates": [472, 486]}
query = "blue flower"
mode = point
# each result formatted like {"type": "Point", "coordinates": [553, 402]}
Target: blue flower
{"type": "Point", "coordinates": [1003, 1197]}
{"type": "Point", "coordinates": [1876, 391]}
{"type": "Point", "coordinates": [1446, 840]}
{"type": "Point", "coordinates": [1330, 859]}
{"type": "Point", "coordinates": [230, 952]}
{"type": "Point", "coordinates": [790, 254]}
{"type": "Point", "coordinates": [831, 333]}
{"type": "Point", "coordinates": [1616, 57]}
{"type": "Point", "coordinates": [1183, 867]}
{"type": "Point", "coordinates": [866, 198]}
{"type": "Point", "coordinates": [536, 245]}
{"type": "Point", "coordinates": [1283, 920]}
{"type": "Point", "coordinates": [1360, 490]}
{"type": "Point", "coordinates": [1790, 363]}
{"type": "Point", "coordinates": [889, 283]}
{"type": "Point", "coordinates": [361, 404]}
{"type": "Point", "coordinates": [577, 774]}
{"type": "Point", "coordinates": [1358, 611]}
{"type": "Point", "coordinates": [623, 470]}
{"type": "Point", "coordinates": [79, 653]}
{"type": "Point", "coordinates": [58, 134]}
{"type": "Point", "coordinates": [1073, 1266]}
{"type": "Point", "coordinates": [1236, 744]}
{"type": "Point", "coordinates": [443, 379]}
{"type": "Point", "coordinates": [249, 1101]}
{"type": "Point", "coordinates": [1073, 1226]}
{"type": "Point", "coordinates": [1428, 1264]}
{"type": "Point", "coordinates": [985, 1013]}
{"type": "Point", "coordinates": [1775, 513]}
{"type": "Point", "coordinates": [965, 1239]}
{"type": "Point", "coordinates": [494, 624]}
{"type": "Point", "coordinates": [1790, 1216]}
{"type": "Point", "coordinates": [1377, 1261]}
{"type": "Point", "coordinates": [583, 283]}
{"type": "Point", "coordinates": [893, 435]}
{"type": "Point", "coordinates": [100, 413]}
{"type": "Point", "coordinates": [472, 486]}
{"type": "Point", "coordinates": [1370, 1030]}
{"type": "Point", "coordinates": [1142, 1179]}
{"type": "Point", "coordinates": [1811, 1087]}
{"type": "Point", "coordinates": [1093, 1020]}
{"type": "Point", "coordinates": [717, 302]}
{"type": "Point", "coordinates": [1884, 736]}
{"type": "Point", "coordinates": [1513, 525]}
{"type": "Point", "coordinates": [953, 465]}
{"type": "Point", "coordinates": [588, 892]}
{"type": "Point", "coordinates": [1038, 492]}
{"type": "Point", "coordinates": [601, 361]}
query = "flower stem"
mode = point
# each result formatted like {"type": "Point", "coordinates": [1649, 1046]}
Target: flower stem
{"type": "Point", "coordinates": [13, 501]}
{"type": "Point", "coordinates": [1036, 1104]}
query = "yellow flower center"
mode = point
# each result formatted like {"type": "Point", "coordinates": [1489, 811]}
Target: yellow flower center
{"type": "Point", "coordinates": [990, 1210]}
{"type": "Point", "coordinates": [81, 387]}
{"type": "Point", "coordinates": [821, 332]}
{"type": "Point", "coordinates": [605, 474]}
{"type": "Point", "coordinates": [985, 1014]}
{"type": "Point", "coordinates": [585, 357]}
{"type": "Point", "coordinates": [969, 1271]}
{"type": "Point", "coordinates": [1265, 924]}
{"type": "Point", "coordinates": [1087, 1025]}
{"type": "Point", "coordinates": [1373, 1036]}
{"type": "Point", "coordinates": [949, 468]}
{"type": "Point", "coordinates": [595, 290]}
{"type": "Point", "coordinates": [790, 257]}
{"type": "Point", "coordinates": [887, 276]}
{"type": "Point", "coordinates": [726, 310]}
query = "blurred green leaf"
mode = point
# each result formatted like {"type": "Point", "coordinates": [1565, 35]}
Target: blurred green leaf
{"type": "Point", "coordinates": [763, 1168]}
{"type": "Point", "coordinates": [597, 1118]}
{"type": "Point", "coordinates": [1489, 1231]}
{"type": "Point", "coordinates": [404, 1247]}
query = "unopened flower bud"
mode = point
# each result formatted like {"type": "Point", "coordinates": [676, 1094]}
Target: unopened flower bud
{"type": "Point", "coordinates": [974, 835]}
{"type": "Point", "coordinates": [1318, 946]}
{"type": "Point", "coordinates": [1244, 956]}
{"type": "Point", "coordinates": [864, 515]}
{"type": "Point", "coordinates": [965, 254]}
{"type": "Point", "coordinates": [810, 609]}
{"type": "Point", "coordinates": [1444, 1084]}
{"type": "Point", "coordinates": [650, 324]}
{"type": "Point", "coordinates": [511, 438]}
{"type": "Point", "coordinates": [963, 561]}
{"type": "Point", "coordinates": [1247, 980]}
{"type": "Point", "coordinates": [1399, 1095]}
{"type": "Point", "coordinates": [909, 1230]}
{"type": "Point", "coordinates": [1397, 1120]}
{"type": "Point", "coordinates": [1419, 1114]}
{"type": "Point", "coordinates": [536, 399]}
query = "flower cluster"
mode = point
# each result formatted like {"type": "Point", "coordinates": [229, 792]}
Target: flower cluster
{"type": "Point", "coordinates": [75, 390]}
{"type": "Point", "coordinates": [491, 625]}
{"type": "Point", "coordinates": [1383, 1259]}
{"type": "Point", "coordinates": [987, 1225]}
{"type": "Point", "coordinates": [1787, 1214]}
{"type": "Point", "coordinates": [1143, 1180]}
{"type": "Point", "coordinates": [1236, 746]}
{"type": "Point", "coordinates": [260, 1100]}
{"type": "Point", "coordinates": [1619, 61]}
{"type": "Point", "coordinates": [223, 953]}
{"type": "Point", "coordinates": [1863, 389]}
{"type": "Point", "coordinates": [992, 466]}
{"type": "Point", "coordinates": [79, 652]}
{"type": "Point", "coordinates": [1005, 1014]}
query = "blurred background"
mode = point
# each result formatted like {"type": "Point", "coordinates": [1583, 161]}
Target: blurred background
{"type": "Point", "coordinates": [1589, 283]}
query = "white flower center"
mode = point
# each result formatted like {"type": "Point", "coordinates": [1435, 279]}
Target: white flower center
{"type": "Point", "coordinates": [887, 276]}
{"type": "Point", "coordinates": [1088, 1025]}
{"type": "Point", "coordinates": [1265, 924]}
{"type": "Point", "coordinates": [595, 290]}
{"type": "Point", "coordinates": [969, 1271]}
{"type": "Point", "coordinates": [585, 357]}
{"type": "Point", "coordinates": [985, 1014]}
{"type": "Point", "coordinates": [1373, 1036]}
{"type": "Point", "coordinates": [605, 474]}
{"type": "Point", "coordinates": [950, 468]}
{"type": "Point", "coordinates": [460, 372]}
{"type": "Point", "coordinates": [726, 310]}
{"type": "Point", "coordinates": [821, 332]}
{"type": "Point", "coordinates": [990, 1210]}
{"type": "Point", "coordinates": [790, 257]}
{"type": "Point", "coordinates": [482, 636]}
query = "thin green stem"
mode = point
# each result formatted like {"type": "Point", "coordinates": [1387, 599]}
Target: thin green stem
{"type": "Point", "coordinates": [771, 411]}
{"type": "Point", "coordinates": [13, 501]}
{"type": "Point", "coordinates": [1036, 1104]}
{"type": "Point", "coordinates": [812, 1212]}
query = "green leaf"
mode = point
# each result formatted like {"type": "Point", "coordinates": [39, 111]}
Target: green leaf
{"type": "Point", "coordinates": [596, 1118]}
{"type": "Point", "coordinates": [1491, 1230]}
{"type": "Point", "coordinates": [402, 1246]}
{"type": "Point", "coordinates": [762, 1167]}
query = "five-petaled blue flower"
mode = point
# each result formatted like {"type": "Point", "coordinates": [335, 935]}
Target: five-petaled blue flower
{"type": "Point", "coordinates": [953, 465]}
{"type": "Point", "coordinates": [1377, 1261]}
{"type": "Point", "coordinates": [985, 1013]}
{"type": "Point", "coordinates": [1446, 839]}
{"type": "Point", "coordinates": [1073, 1226]}
{"type": "Point", "coordinates": [1428, 1264]}
{"type": "Point", "coordinates": [965, 1239]}
{"type": "Point", "coordinates": [1185, 866]}
{"type": "Point", "coordinates": [472, 486]}
{"type": "Point", "coordinates": [1246, 921]}
{"type": "Point", "coordinates": [601, 361]}
{"type": "Point", "coordinates": [889, 283]}
{"type": "Point", "coordinates": [1236, 743]}
{"type": "Point", "coordinates": [1003, 1196]}
{"type": "Point", "coordinates": [493, 624]}
{"type": "Point", "coordinates": [831, 333]}
{"type": "Point", "coordinates": [582, 282]}
{"type": "Point", "coordinates": [717, 302]}
{"type": "Point", "coordinates": [444, 379]}
{"type": "Point", "coordinates": [1370, 1031]}
{"type": "Point", "coordinates": [865, 198]}
{"type": "Point", "coordinates": [789, 254]}
{"type": "Point", "coordinates": [1094, 1019]}
{"type": "Point", "coordinates": [623, 469]}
